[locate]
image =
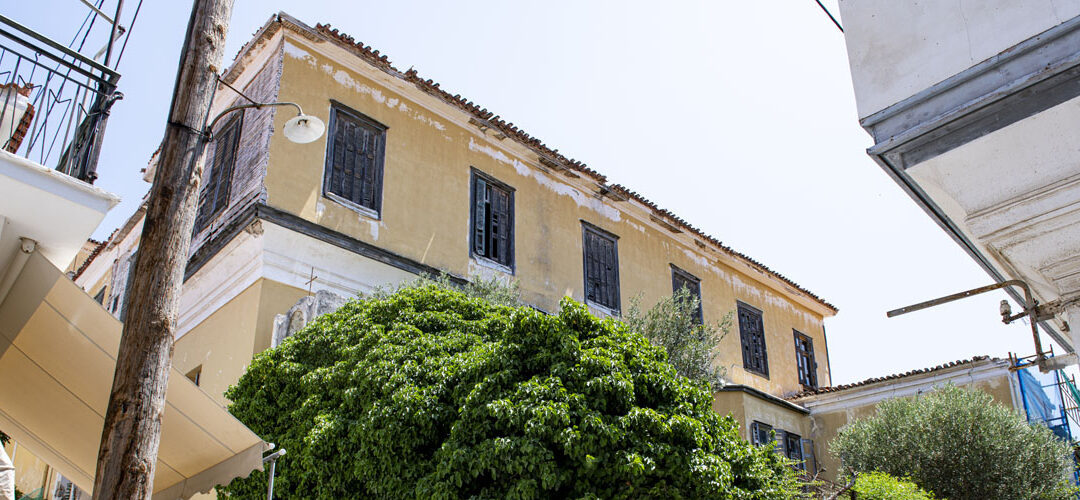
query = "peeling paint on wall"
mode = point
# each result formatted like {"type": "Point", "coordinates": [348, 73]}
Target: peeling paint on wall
{"type": "Point", "coordinates": [344, 78]}
{"type": "Point", "coordinates": [373, 229]}
{"type": "Point", "coordinates": [555, 185]}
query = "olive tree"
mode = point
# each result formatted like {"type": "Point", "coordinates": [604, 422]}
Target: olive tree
{"type": "Point", "coordinates": [428, 393]}
{"type": "Point", "coordinates": [691, 345]}
{"type": "Point", "coordinates": [958, 444]}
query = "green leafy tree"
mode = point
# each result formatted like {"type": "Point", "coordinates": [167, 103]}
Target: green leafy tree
{"type": "Point", "coordinates": [958, 444]}
{"type": "Point", "coordinates": [672, 324]}
{"type": "Point", "coordinates": [428, 393]}
{"type": "Point", "coordinates": [881, 486]}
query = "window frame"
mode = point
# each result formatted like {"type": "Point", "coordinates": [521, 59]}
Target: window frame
{"type": "Point", "coordinates": [588, 229]}
{"type": "Point", "coordinates": [232, 129]}
{"type": "Point", "coordinates": [362, 120]}
{"type": "Point", "coordinates": [678, 273]}
{"type": "Point", "coordinates": [797, 450]}
{"type": "Point", "coordinates": [807, 355]}
{"type": "Point", "coordinates": [756, 428]}
{"type": "Point", "coordinates": [509, 264]}
{"type": "Point", "coordinates": [747, 365]}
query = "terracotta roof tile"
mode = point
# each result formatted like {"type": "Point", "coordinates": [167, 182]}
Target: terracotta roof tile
{"type": "Point", "coordinates": [550, 157]}
{"type": "Point", "coordinates": [952, 364]}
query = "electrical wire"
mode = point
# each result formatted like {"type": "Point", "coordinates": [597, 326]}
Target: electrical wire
{"type": "Point", "coordinates": [827, 13]}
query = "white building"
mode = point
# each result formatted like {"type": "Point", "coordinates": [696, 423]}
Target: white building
{"type": "Point", "coordinates": [974, 112]}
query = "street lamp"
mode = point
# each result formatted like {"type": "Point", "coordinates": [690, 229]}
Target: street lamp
{"type": "Point", "coordinates": [300, 129]}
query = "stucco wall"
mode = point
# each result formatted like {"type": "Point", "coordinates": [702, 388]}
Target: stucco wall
{"type": "Point", "coordinates": [826, 425]}
{"type": "Point", "coordinates": [430, 149]}
{"type": "Point", "coordinates": [224, 343]}
{"type": "Point", "coordinates": [898, 48]}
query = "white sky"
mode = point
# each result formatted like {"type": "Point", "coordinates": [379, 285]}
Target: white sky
{"type": "Point", "coordinates": [737, 116]}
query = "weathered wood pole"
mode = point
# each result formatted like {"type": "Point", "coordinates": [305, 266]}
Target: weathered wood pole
{"type": "Point", "coordinates": [129, 441]}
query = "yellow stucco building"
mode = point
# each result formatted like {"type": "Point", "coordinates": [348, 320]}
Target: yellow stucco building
{"type": "Point", "coordinates": [411, 180]}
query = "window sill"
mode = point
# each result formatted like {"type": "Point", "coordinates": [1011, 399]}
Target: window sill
{"type": "Point", "coordinates": [755, 372]}
{"type": "Point", "coordinates": [360, 209]}
{"type": "Point", "coordinates": [603, 310]}
{"type": "Point", "coordinates": [491, 264]}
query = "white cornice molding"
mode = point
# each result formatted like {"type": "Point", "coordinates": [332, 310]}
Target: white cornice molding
{"type": "Point", "coordinates": [903, 387]}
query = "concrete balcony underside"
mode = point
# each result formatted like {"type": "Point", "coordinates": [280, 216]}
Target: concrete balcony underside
{"type": "Point", "coordinates": [992, 154]}
{"type": "Point", "coordinates": [59, 212]}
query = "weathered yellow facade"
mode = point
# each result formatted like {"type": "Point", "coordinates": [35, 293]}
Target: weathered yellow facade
{"type": "Point", "coordinates": [832, 410]}
{"type": "Point", "coordinates": [282, 236]}
{"type": "Point", "coordinates": [430, 149]}
{"type": "Point", "coordinates": [432, 145]}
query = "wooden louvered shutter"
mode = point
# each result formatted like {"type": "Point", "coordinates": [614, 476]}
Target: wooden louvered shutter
{"type": "Point", "coordinates": [354, 159]}
{"type": "Point", "coordinates": [601, 269]}
{"type": "Point", "coordinates": [480, 216]}
{"type": "Point", "coordinates": [501, 226]}
{"type": "Point", "coordinates": [761, 346]}
{"type": "Point", "coordinates": [337, 157]}
{"type": "Point", "coordinates": [607, 255]}
{"type": "Point", "coordinates": [592, 269]}
{"type": "Point", "coordinates": [215, 194]}
{"type": "Point", "coordinates": [370, 172]}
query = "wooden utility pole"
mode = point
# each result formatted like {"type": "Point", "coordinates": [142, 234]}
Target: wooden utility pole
{"type": "Point", "coordinates": [129, 441]}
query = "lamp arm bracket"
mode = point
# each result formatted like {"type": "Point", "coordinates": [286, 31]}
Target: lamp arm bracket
{"type": "Point", "coordinates": [258, 105]}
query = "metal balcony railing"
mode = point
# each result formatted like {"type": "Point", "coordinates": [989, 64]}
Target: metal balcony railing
{"type": "Point", "coordinates": [54, 102]}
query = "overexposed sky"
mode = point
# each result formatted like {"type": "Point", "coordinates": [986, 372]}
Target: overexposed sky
{"type": "Point", "coordinates": [737, 116]}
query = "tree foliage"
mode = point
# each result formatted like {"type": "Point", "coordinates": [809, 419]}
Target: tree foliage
{"type": "Point", "coordinates": [691, 347]}
{"type": "Point", "coordinates": [881, 486]}
{"type": "Point", "coordinates": [427, 393]}
{"type": "Point", "coordinates": [958, 444]}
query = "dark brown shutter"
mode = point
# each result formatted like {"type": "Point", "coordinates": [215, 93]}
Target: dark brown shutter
{"type": "Point", "coordinates": [215, 194]}
{"type": "Point", "coordinates": [480, 217]}
{"type": "Point", "coordinates": [337, 159]}
{"type": "Point", "coordinates": [500, 225]}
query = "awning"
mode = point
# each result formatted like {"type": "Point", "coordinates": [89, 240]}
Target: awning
{"type": "Point", "coordinates": [57, 355]}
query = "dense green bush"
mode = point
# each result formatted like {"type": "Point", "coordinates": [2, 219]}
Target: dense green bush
{"type": "Point", "coordinates": [427, 393]}
{"type": "Point", "coordinates": [881, 486]}
{"type": "Point", "coordinates": [691, 347]}
{"type": "Point", "coordinates": [958, 444]}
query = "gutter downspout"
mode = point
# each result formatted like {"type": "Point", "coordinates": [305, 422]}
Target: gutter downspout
{"type": "Point", "coordinates": [27, 246]}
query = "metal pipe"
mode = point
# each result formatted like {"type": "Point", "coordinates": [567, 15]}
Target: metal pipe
{"type": "Point", "coordinates": [272, 458]}
{"type": "Point", "coordinates": [210, 129]}
{"type": "Point", "coordinates": [1030, 309]}
{"type": "Point", "coordinates": [113, 33]}
{"type": "Point", "coordinates": [98, 11]}
{"type": "Point", "coordinates": [964, 294]}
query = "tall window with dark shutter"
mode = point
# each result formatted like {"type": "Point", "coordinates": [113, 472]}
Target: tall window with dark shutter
{"type": "Point", "coordinates": [601, 267]}
{"type": "Point", "coordinates": [215, 193]}
{"type": "Point", "coordinates": [761, 433]}
{"type": "Point", "coordinates": [354, 159]}
{"type": "Point", "coordinates": [492, 220]}
{"type": "Point", "coordinates": [804, 360]}
{"type": "Point", "coordinates": [793, 449]}
{"type": "Point", "coordinates": [681, 279]}
{"type": "Point", "coordinates": [752, 334]}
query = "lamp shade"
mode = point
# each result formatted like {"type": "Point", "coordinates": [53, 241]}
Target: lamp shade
{"type": "Point", "coordinates": [303, 129]}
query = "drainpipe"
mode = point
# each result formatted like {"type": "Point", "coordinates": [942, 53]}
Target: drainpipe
{"type": "Point", "coordinates": [26, 247]}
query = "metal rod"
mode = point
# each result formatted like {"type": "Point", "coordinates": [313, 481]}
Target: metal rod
{"type": "Point", "coordinates": [962, 295]}
{"type": "Point", "coordinates": [114, 33]}
{"type": "Point", "coordinates": [98, 11]}
{"type": "Point", "coordinates": [270, 484]}
{"type": "Point", "coordinates": [272, 459]}
{"type": "Point", "coordinates": [257, 105]}
{"type": "Point", "coordinates": [1030, 308]}
{"type": "Point", "coordinates": [43, 39]}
